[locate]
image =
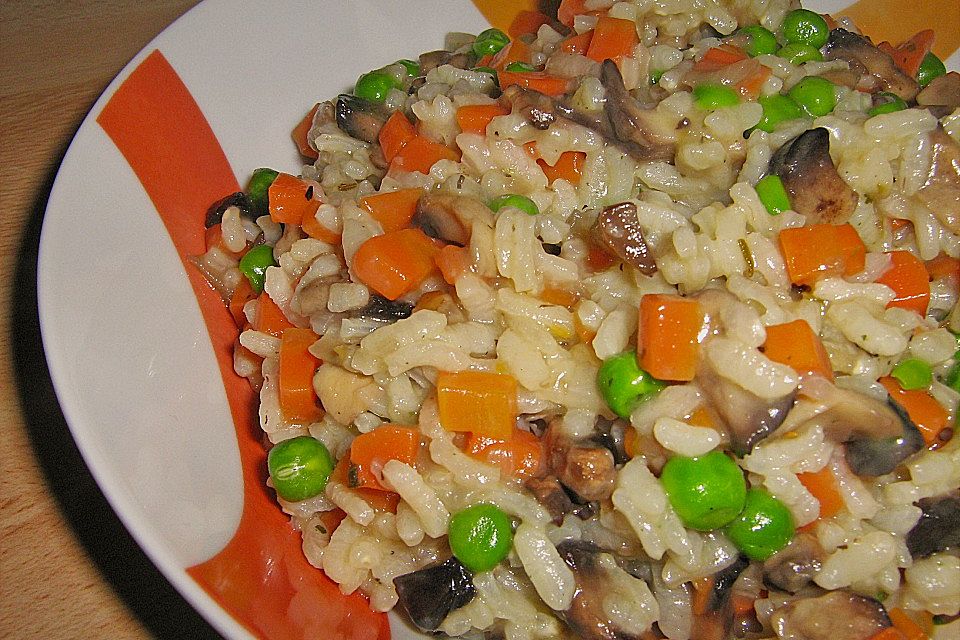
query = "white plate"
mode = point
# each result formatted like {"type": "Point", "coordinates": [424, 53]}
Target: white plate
{"type": "Point", "coordinates": [126, 345]}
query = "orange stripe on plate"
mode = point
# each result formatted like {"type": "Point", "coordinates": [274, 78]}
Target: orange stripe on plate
{"type": "Point", "coordinates": [896, 20]}
{"type": "Point", "coordinates": [501, 14]}
{"type": "Point", "coordinates": [261, 577]}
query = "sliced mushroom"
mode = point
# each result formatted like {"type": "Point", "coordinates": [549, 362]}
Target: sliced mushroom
{"type": "Point", "coordinates": [540, 110]}
{"type": "Point", "coordinates": [717, 620]}
{"type": "Point", "coordinates": [838, 615]}
{"type": "Point", "coordinates": [878, 435]}
{"type": "Point", "coordinates": [618, 230]}
{"type": "Point", "coordinates": [550, 493]}
{"type": "Point", "coordinates": [942, 95]}
{"type": "Point", "coordinates": [359, 118]}
{"type": "Point", "coordinates": [941, 191]}
{"type": "Point", "coordinates": [571, 65]}
{"type": "Point", "coordinates": [588, 471]}
{"type": "Point", "coordinates": [633, 126]}
{"type": "Point", "coordinates": [881, 72]}
{"type": "Point", "coordinates": [430, 594]}
{"type": "Point", "coordinates": [816, 189]}
{"type": "Point", "coordinates": [450, 217]}
{"type": "Point", "coordinates": [379, 308]}
{"type": "Point", "coordinates": [611, 435]}
{"type": "Point", "coordinates": [938, 528]}
{"type": "Point", "coordinates": [433, 59]}
{"type": "Point", "coordinates": [240, 200]}
{"type": "Point", "coordinates": [793, 567]}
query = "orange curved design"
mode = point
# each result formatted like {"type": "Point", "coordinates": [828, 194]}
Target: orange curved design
{"type": "Point", "coordinates": [261, 577]}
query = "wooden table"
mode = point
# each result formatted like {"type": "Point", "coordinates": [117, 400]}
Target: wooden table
{"type": "Point", "coordinates": [68, 568]}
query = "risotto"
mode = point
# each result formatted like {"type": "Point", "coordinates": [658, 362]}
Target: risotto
{"type": "Point", "coordinates": [638, 322]}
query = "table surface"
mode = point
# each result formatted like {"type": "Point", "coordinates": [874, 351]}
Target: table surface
{"type": "Point", "coordinates": [69, 569]}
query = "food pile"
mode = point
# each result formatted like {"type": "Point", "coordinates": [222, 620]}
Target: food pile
{"type": "Point", "coordinates": [638, 321]}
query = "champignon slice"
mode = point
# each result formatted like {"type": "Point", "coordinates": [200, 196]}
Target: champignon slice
{"type": "Point", "coordinates": [359, 118]}
{"type": "Point", "coordinates": [587, 471]}
{"type": "Point", "coordinates": [938, 528]}
{"type": "Point", "coordinates": [240, 200]}
{"type": "Point", "coordinates": [941, 191]}
{"type": "Point", "coordinates": [838, 615]}
{"type": "Point", "coordinates": [943, 94]}
{"type": "Point", "coordinates": [633, 126]}
{"type": "Point", "coordinates": [430, 594]}
{"type": "Point", "coordinates": [618, 230]}
{"type": "Point", "coordinates": [433, 59]}
{"type": "Point", "coordinates": [537, 108]}
{"type": "Point", "coordinates": [550, 493]}
{"type": "Point", "coordinates": [816, 189]}
{"type": "Point", "coordinates": [379, 308]}
{"type": "Point", "coordinates": [793, 567]}
{"type": "Point", "coordinates": [860, 53]}
{"type": "Point", "coordinates": [611, 435]}
{"type": "Point", "coordinates": [878, 435]}
{"type": "Point", "coordinates": [450, 217]}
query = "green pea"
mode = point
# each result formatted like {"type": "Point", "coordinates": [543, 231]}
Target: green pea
{"type": "Point", "coordinates": [299, 468]}
{"type": "Point", "coordinates": [952, 379]}
{"type": "Point", "coordinates": [806, 27]}
{"type": "Point", "coordinates": [763, 527]}
{"type": "Point", "coordinates": [707, 492]}
{"type": "Point", "coordinates": [254, 265]}
{"type": "Point", "coordinates": [760, 40]}
{"type": "Point", "coordinates": [375, 86]}
{"type": "Point", "coordinates": [656, 75]}
{"type": "Point", "coordinates": [412, 67]}
{"type": "Point", "coordinates": [777, 108]}
{"type": "Point", "coordinates": [773, 195]}
{"type": "Point", "coordinates": [480, 536]}
{"type": "Point", "coordinates": [930, 67]}
{"type": "Point", "coordinates": [520, 67]}
{"type": "Point", "coordinates": [624, 385]}
{"type": "Point", "coordinates": [517, 201]}
{"type": "Point", "coordinates": [710, 97]}
{"type": "Point", "coordinates": [885, 102]}
{"type": "Point", "coordinates": [797, 53]}
{"type": "Point", "coordinates": [815, 95]}
{"type": "Point", "coordinates": [913, 373]}
{"type": "Point", "coordinates": [490, 42]}
{"type": "Point", "coordinates": [258, 190]}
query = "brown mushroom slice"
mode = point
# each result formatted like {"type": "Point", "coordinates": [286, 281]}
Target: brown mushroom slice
{"type": "Point", "coordinates": [941, 191]}
{"type": "Point", "coordinates": [359, 118]}
{"type": "Point", "coordinates": [450, 217]}
{"type": "Point", "coordinates": [639, 134]}
{"type": "Point", "coordinates": [878, 435]}
{"type": "Point", "coordinates": [942, 94]}
{"type": "Point", "coordinates": [433, 59]}
{"type": "Point", "coordinates": [938, 528]}
{"type": "Point", "coordinates": [550, 493]}
{"type": "Point", "coordinates": [816, 189]}
{"type": "Point", "coordinates": [587, 471]}
{"type": "Point", "coordinates": [860, 53]}
{"type": "Point", "coordinates": [540, 110]}
{"type": "Point", "coordinates": [618, 230]}
{"type": "Point", "coordinates": [838, 615]}
{"type": "Point", "coordinates": [793, 567]}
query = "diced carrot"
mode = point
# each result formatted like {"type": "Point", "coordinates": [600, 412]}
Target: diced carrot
{"type": "Point", "coordinates": [312, 227]}
{"type": "Point", "coordinates": [527, 22]}
{"type": "Point", "coordinates": [269, 318]}
{"type": "Point", "coordinates": [898, 224]}
{"type": "Point", "coordinates": [394, 263]}
{"type": "Point", "coordinates": [531, 149]}
{"type": "Point", "coordinates": [453, 262]}
{"type": "Point", "coordinates": [569, 9]}
{"type": "Point", "coordinates": [613, 39]}
{"type": "Point", "coordinates": [796, 345]}
{"type": "Point", "coordinates": [569, 166]}
{"type": "Point", "coordinates": [395, 133]}
{"type": "Point", "coordinates": [701, 417]}
{"type": "Point", "coordinates": [669, 330]}
{"type": "Point", "coordinates": [242, 294]}
{"type": "Point", "coordinates": [631, 442]}
{"type": "Point", "coordinates": [474, 118]}
{"type": "Point", "coordinates": [909, 279]}
{"type": "Point", "coordinates": [943, 266]}
{"type": "Point", "coordinates": [298, 400]}
{"type": "Point", "coordinates": [702, 590]}
{"type": "Point", "coordinates": [906, 625]}
{"type": "Point", "coordinates": [924, 411]}
{"type": "Point", "coordinates": [515, 51]}
{"type": "Point", "coordinates": [578, 43]}
{"type": "Point", "coordinates": [888, 633]}
{"type": "Point", "coordinates": [420, 153]}
{"type": "Point", "coordinates": [823, 485]}
{"type": "Point", "coordinates": [292, 199]}
{"type": "Point", "coordinates": [599, 258]}
{"type": "Point", "coordinates": [519, 457]}
{"type": "Point", "coordinates": [751, 85]}
{"type": "Point", "coordinates": [584, 334]}
{"type": "Point", "coordinates": [718, 57]}
{"type": "Point", "coordinates": [537, 80]}
{"type": "Point", "coordinates": [370, 451]}
{"type": "Point", "coordinates": [908, 55]}
{"type": "Point", "coordinates": [392, 209]}
{"type": "Point", "coordinates": [300, 134]}
{"type": "Point", "coordinates": [378, 499]}
{"type": "Point", "coordinates": [330, 520]}
{"type": "Point", "coordinates": [742, 604]}
{"type": "Point", "coordinates": [478, 402]}
{"type": "Point", "coordinates": [821, 250]}
{"type": "Point", "coordinates": [560, 297]}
